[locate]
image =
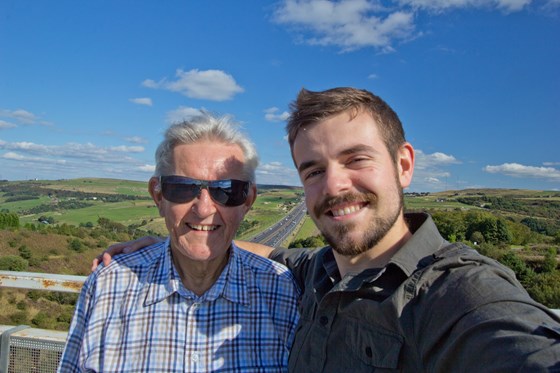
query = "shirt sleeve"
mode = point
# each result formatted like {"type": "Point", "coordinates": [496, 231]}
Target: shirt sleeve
{"type": "Point", "coordinates": [476, 317]}
{"type": "Point", "coordinates": [297, 261]}
{"type": "Point", "coordinates": [71, 356]}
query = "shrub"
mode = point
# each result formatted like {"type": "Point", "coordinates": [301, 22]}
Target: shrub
{"type": "Point", "coordinates": [76, 245]}
{"type": "Point", "coordinates": [43, 321]}
{"type": "Point", "coordinates": [65, 316]}
{"type": "Point", "coordinates": [34, 295]}
{"type": "Point", "coordinates": [544, 289]}
{"type": "Point", "coordinates": [19, 318]}
{"type": "Point", "coordinates": [24, 252]}
{"type": "Point", "coordinates": [22, 306]}
{"type": "Point", "coordinates": [13, 263]}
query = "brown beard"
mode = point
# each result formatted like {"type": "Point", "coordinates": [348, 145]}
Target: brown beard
{"type": "Point", "coordinates": [376, 230]}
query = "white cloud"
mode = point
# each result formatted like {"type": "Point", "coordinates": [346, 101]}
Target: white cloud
{"type": "Point", "coordinates": [23, 117]}
{"type": "Point", "coordinates": [434, 160]}
{"type": "Point", "coordinates": [72, 160]}
{"type": "Point", "coordinates": [551, 5]}
{"type": "Point", "coordinates": [4, 124]}
{"type": "Point", "coordinates": [349, 24]}
{"type": "Point", "coordinates": [141, 101]}
{"type": "Point", "coordinates": [431, 170]}
{"type": "Point", "coordinates": [72, 150]}
{"type": "Point", "coordinates": [18, 157]}
{"type": "Point", "coordinates": [275, 173]}
{"type": "Point", "coordinates": [372, 76]}
{"type": "Point", "coordinates": [147, 168]}
{"type": "Point", "coordinates": [127, 149]}
{"type": "Point", "coordinates": [272, 116]}
{"type": "Point", "coordinates": [181, 113]}
{"type": "Point", "coordinates": [519, 170]}
{"type": "Point", "coordinates": [214, 85]}
{"type": "Point", "coordinates": [355, 24]}
{"type": "Point", "coordinates": [136, 140]}
{"type": "Point", "coordinates": [507, 6]}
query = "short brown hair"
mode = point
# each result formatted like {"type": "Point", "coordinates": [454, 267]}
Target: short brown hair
{"type": "Point", "coordinates": [311, 107]}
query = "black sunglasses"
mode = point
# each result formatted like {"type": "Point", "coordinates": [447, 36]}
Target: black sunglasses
{"type": "Point", "coordinates": [181, 189]}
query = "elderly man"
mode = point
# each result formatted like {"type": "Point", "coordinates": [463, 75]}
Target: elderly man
{"type": "Point", "coordinates": [194, 302]}
{"type": "Point", "coordinates": [389, 293]}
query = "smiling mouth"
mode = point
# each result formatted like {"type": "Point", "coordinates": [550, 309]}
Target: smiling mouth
{"type": "Point", "coordinates": [199, 227]}
{"type": "Point", "coordinates": [347, 210]}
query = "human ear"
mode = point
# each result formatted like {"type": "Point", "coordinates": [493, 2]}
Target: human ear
{"type": "Point", "coordinates": [154, 187]}
{"type": "Point", "coordinates": [251, 198]}
{"type": "Point", "coordinates": [405, 164]}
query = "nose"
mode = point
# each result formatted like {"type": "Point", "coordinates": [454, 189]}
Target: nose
{"type": "Point", "coordinates": [336, 181]}
{"type": "Point", "coordinates": [203, 205]}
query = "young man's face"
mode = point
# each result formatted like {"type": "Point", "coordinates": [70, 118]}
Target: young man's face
{"type": "Point", "coordinates": [202, 229]}
{"type": "Point", "coordinates": [353, 189]}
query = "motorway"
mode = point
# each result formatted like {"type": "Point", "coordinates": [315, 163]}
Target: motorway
{"type": "Point", "coordinates": [276, 234]}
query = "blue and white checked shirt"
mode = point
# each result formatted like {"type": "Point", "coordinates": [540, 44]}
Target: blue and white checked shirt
{"type": "Point", "coordinates": [135, 315]}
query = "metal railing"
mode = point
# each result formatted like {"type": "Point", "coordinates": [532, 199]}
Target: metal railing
{"type": "Point", "coordinates": [29, 350]}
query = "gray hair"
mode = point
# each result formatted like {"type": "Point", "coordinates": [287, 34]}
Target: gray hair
{"type": "Point", "coordinates": [205, 127]}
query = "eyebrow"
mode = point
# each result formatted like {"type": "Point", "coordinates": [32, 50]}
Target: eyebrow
{"type": "Point", "coordinates": [352, 150]}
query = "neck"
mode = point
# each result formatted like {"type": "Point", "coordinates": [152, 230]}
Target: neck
{"type": "Point", "coordinates": [379, 255]}
{"type": "Point", "coordinates": [199, 276]}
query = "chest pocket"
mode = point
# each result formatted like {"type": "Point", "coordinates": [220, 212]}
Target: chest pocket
{"type": "Point", "coordinates": [374, 347]}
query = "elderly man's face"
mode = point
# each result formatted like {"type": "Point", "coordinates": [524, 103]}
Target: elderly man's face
{"type": "Point", "coordinates": [201, 229]}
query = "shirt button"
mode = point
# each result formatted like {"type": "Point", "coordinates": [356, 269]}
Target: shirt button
{"type": "Point", "coordinates": [194, 357]}
{"type": "Point", "coordinates": [369, 352]}
{"type": "Point", "coordinates": [324, 320]}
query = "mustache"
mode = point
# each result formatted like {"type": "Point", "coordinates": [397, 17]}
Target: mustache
{"type": "Point", "coordinates": [328, 203]}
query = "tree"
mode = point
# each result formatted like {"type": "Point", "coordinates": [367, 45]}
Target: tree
{"type": "Point", "coordinates": [451, 225]}
{"type": "Point", "coordinates": [9, 220]}
{"type": "Point", "coordinates": [522, 271]}
{"type": "Point", "coordinates": [310, 242]}
{"type": "Point", "coordinates": [502, 231]}
{"type": "Point", "coordinates": [549, 263]}
{"type": "Point", "coordinates": [477, 237]}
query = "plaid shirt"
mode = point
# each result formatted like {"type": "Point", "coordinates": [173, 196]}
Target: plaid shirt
{"type": "Point", "coordinates": [136, 316]}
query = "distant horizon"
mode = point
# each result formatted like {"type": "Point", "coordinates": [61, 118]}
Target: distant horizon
{"type": "Point", "coordinates": [406, 191]}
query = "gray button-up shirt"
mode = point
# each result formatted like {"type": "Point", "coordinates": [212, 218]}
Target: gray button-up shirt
{"type": "Point", "coordinates": [436, 307]}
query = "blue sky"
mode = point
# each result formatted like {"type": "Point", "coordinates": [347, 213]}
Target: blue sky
{"type": "Point", "coordinates": [88, 87]}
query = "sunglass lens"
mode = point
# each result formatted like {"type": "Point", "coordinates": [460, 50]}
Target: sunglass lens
{"type": "Point", "coordinates": [230, 192]}
{"type": "Point", "coordinates": [180, 189]}
{"type": "Point", "coordinates": [179, 192]}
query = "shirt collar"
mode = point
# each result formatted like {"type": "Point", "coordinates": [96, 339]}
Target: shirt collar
{"type": "Point", "coordinates": [164, 280]}
{"type": "Point", "coordinates": [425, 240]}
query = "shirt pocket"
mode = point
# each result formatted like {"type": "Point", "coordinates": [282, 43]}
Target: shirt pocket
{"type": "Point", "coordinates": [374, 346]}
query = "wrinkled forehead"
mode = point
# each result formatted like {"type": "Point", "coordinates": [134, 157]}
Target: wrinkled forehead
{"type": "Point", "coordinates": [208, 160]}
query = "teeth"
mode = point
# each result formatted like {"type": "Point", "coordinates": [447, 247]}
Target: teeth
{"type": "Point", "coordinates": [345, 211]}
{"type": "Point", "coordinates": [197, 227]}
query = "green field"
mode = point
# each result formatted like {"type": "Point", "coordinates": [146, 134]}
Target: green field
{"type": "Point", "coordinates": [68, 244]}
{"type": "Point", "coordinates": [272, 203]}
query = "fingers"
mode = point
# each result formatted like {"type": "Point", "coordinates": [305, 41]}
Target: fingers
{"type": "Point", "coordinates": [95, 262]}
{"type": "Point", "coordinates": [123, 248]}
